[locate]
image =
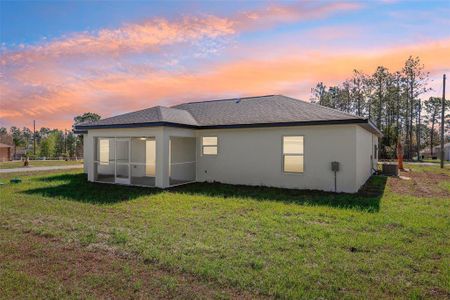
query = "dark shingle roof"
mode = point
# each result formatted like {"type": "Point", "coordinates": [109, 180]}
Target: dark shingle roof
{"type": "Point", "coordinates": [275, 110]}
{"type": "Point", "coordinates": [257, 110]}
{"type": "Point", "coordinates": [157, 114]}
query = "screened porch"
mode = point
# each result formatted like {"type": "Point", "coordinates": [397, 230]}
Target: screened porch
{"type": "Point", "coordinates": [134, 160]}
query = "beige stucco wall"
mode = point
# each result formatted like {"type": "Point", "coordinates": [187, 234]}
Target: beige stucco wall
{"type": "Point", "coordinates": [254, 156]}
{"type": "Point", "coordinates": [365, 156]}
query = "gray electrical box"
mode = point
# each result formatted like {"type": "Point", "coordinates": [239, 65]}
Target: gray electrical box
{"type": "Point", "coordinates": [335, 166]}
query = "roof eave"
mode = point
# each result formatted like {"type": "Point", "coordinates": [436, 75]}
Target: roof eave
{"type": "Point", "coordinates": [80, 131]}
{"type": "Point", "coordinates": [373, 128]}
{"type": "Point", "coordinates": [83, 129]}
{"type": "Point", "coordinates": [132, 125]}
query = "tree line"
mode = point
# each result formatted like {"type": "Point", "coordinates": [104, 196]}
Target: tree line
{"type": "Point", "coordinates": [47, 142]}
{"type": "Point", "coordinates": [392, 101]}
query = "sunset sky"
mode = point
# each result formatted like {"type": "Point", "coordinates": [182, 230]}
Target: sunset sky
{"type": "Point", "coordinates": [60, 59]}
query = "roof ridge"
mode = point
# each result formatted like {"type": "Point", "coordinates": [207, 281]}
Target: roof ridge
{"type": "Point", "coordinates": [159, 112]}
{"type": "Point", "coordinates": [218, 100]}
{"type": "Point", "coordinates": [162, 117]}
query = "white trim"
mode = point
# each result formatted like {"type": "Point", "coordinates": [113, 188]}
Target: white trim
{"type": "Point", "coordinates": [131, 185]}
{"type": "Point", "coordinates": [145, 186]}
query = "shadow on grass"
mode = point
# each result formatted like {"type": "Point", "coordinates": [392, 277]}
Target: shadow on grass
{"type": "Point", "coordinates": [368, 199]}
{"type": "Point", "coordinates": [76, 187]}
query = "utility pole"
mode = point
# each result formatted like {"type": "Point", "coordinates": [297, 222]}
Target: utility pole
{"type": "Point", "coordinates": [442, 122]}
{"type": "Point", "coordinates": [34, 138]}
{"type": "Point", "coordinates": [418, 132]}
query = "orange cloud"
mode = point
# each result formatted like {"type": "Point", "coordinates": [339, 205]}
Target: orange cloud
{"type": "Point", "coordinates": [251, 76]}
{"type": "Point", "coordinates": [290, 74]}
{"type": "Point", "coordinates": [151, 35]}
{"type": "Point", "coordinates": [85, 71]}
{"type": "Point", "coordinates": [147, 36]}
{"type": "Point", "coordinates": [57, 80]}
{"type": "Point", "coordinates": [300, 11]}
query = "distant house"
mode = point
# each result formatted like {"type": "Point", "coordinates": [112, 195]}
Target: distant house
{"type": "Point", "coordinates": [20, 153]}
{"type": "Point", "coordinates": [426, 153]}
{"type": "Point", "coordinates": [268, 140]}
{"type": "Point", "coordinates": [5, 152]}
{"type": "Point", "coordinates": [437, 151]}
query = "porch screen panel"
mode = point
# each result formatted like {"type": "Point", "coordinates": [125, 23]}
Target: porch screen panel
{"type": "Point", "coordinates": [182, 160]}
{"type": "Point", "coordinates": [104, 159]}
{"type": "Point", "coordinates": [143, 161]}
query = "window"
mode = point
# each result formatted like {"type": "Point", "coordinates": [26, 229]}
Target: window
{"type": "Point", "coordinates": [375, 151]}
{"type": "Point", "coordinates": [209, 145]}
{"type": "Point", "coordinates": [293, 154]}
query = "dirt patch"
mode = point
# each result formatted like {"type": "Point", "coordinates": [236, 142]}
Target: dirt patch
{"type": "Point", "coordinates": [422, 184]}
{"type": "Point", "coordinates": [103, 273]}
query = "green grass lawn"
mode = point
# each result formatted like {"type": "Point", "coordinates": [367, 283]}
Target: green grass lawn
{"type": "Point", "coordinates": [39, 163]}
{"type": "Point", "coordinates": [64, 237]}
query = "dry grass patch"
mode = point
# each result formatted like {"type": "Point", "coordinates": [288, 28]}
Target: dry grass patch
{"type": "Point", "coordinates": [423, 183]}
{"type": "Point", "coordinates": [67, 269]}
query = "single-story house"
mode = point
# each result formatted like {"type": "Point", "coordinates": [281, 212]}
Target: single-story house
{"type": "Point", "coordinates": [437, 151]}
{"type": "Point", "coordinates": [5, 152]}
{"type": "Point", "coordinates": [269, 140]}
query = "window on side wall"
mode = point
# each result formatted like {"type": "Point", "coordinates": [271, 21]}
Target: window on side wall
{"type": "Point", "coordinates": [209, 145]}
{"type": "Point", "coordinates": [293, 159]}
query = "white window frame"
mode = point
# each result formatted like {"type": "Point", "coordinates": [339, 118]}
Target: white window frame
{"type": "Point", "coordinates": [283, 155]}
{"type": "Point", "coordinates": [210, 146]}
